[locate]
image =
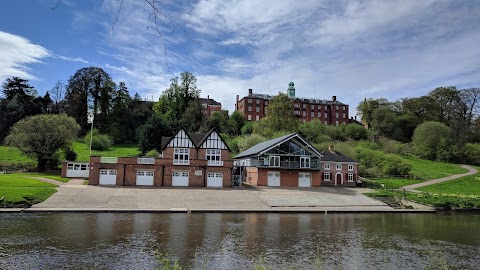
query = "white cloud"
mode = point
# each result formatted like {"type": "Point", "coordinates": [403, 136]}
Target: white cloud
{"type": "Point", "coordinates": [71, 59]}
{"type": "Point", "coordinates": [16, 54]}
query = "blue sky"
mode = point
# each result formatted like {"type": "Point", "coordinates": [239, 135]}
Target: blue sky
{"type": "Point", "coordinates": [350, 49]}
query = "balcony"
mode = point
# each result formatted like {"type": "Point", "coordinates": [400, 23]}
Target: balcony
{"type": "Point", "coordinates": [108, 160]}
{"type": "Point", "coordinates": [312, 165]}
{"type": "Point", "coordinates": [215, 163]}
{"type": "Point", "coordinates": [145, 161]}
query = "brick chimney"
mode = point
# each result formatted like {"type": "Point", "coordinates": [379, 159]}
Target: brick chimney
{"type": "Point", "coordinates": [250, 91]}
{"type": "Point", "coordinates": [334, 98]}
{"type": "Point", "coordinates": [236, 103]}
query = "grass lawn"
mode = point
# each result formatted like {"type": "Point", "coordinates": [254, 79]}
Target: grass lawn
{"type": "Point", "coordinates": [83, 152]}
{"type": "Point", "coordinates": [426, 169]}
{"type": "Point", "coordinates": [395, 183]}
{"type": "Point", "coordinates": [15, 187]}
{"type": "Point", "coordinates": [467, 185]}
{"type": "Point", "coordinates": [11, 155]}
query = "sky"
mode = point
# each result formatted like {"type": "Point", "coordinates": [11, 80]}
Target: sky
{"type": "Point", "coordinates": [349, 49]}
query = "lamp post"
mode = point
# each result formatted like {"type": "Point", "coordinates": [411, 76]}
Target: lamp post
{"type": "Point", "coordinates": [90, 121]}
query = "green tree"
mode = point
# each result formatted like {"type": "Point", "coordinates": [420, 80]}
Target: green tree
{"type": "Point", "coordinates": [150, 135]}
{"type": "Point", "coordinates": [430, 138]}
{"type": "Point", "coordinates": [219, 121]}
{"type": "Point", "coordinates": [356, 132]}
{"type": "Point", "coordinates": [41, 136]}
{"type": "Point", "coordinates": [236, 123]}
{"type": "Point", "coordinates": [314, 131]}
{"type": "Point", "coordinates": [279, 117]}
{"type": "Point", "coordinates": [384, 122]}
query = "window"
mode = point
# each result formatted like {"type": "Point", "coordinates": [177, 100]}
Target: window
{"type": "Point", "coordinates": [304, 106]}
{"type": "Point", "coordinates": [350, 177]}
{"type": "Point", "coordinates": [181, 156]}
{"type": "Point", "coordinates": [326, 166]}
{"type": "Point", "coordinates": [112, 172]}
{"type": "Point", "coordinates": [149, 173]}
{"type": "Point", "coordinates": [257, 117]}
{"type": "Point", "coordinates": [214, 157]}
{"type": "Point", "coordinates": [312, 114]}
{"type": "Point", "coordinates": [304, 113]}
{"type": "Point", "coordinates": [249, 117]}
{"type": "Point", "coordinates": [319, 114]}
{"type": "Point", "coordinates": [336, 123]}
{"type": "Point", "coordinates": [336, 115]}
{"type": "Point", "coordinates": [249, 100]}
{"type": "Point", "coordinates": [339, 167]}
{"type": "Point", "coordinates": [312, 107]}
{"type": "Point", "coordinates": [249, 108]}
{"type": "Point", "coordinates": [325, 115]}
{"type": "Point", "coordinates": [83, 167]}
{"type": "Point", "coordinates": [304, 162]}
{"type": "Point", "coordinates": [350, 167]}
{"type": "Point", "coordinates": [336, 108]}
{"type": "Point", "coordinates": [343, 108]}
{"type": "Point", "coordinates": [258, 110]}
{"type": "Point", "coordinates": [257, 101]}
{"type": "Point", "coordinates": [326, 176]}
{"type": "Point", "coordinates": [343, 115]}
{"type": "Point", "coordinates": [266, 102]}
{"type": "Point", "coordinates": [103, 172]}
{"type": "Point", "coordinates": [274, 161]}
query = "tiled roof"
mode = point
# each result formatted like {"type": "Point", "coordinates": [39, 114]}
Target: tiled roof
{"type": "Point", "coordinates": [336, 157]}
{"type": "Point", "coordinates": [209, 101]}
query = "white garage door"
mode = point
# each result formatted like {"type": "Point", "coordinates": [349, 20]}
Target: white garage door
{"type": "Point", "coordinates": [180, 179]}
{"type": "Point", "coordinates": [273, 179]}
{"type": "Point", "coordinates": [304, 180]}
{"type": "Point", "coordinates": [108, 177]}
{"type": "Point", "coordinates": [77, 170]}
{"type": "Point", "coordinates": [144, 178]}
{"type": "Point", "coordinates": [214, 179]}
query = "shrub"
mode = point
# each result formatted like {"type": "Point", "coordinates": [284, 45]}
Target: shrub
{"type": "Point", "coordinates": [471, 152]}
{"type": "Point", "coordinates": [152, 154]}
{"type": "Point", "coordinates": [248, 141]}
{"type": "Point", "coordinates": [247, 128]}
{"type": "Point", "coordinates": [99, 141]}
{"type": "Point", "coordinates": [431, 138]}
{"type": "Point", "coordinates": [375, 162]}
{"type": "Point", "coordinates": [69, 153]}
{"type": "Point", "coordinates": [356, 132]}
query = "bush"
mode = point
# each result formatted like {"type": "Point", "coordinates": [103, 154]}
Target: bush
{"type": "Point", "coordinates": [152, 154]}
{"type": "Point", "coordinates": [471, 152]}
{"type": "Point", "coordinates": [356, 132]}
{"type": "Point", "coordinates": [99, 141]}
{"type": "Point", "coordinates": [69, 153]}
{"type": "Point", "coordinates": [432, 140]}
{"type": "Point", "coordinates": [377, 163]}
{"type": "Point", "coordinates": [248, 141]}
{"type": "Point", "coordinates": [247, 128]}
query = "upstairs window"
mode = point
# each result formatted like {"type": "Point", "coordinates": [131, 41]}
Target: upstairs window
{"type": "Point", "coordinates": [326, 166]}
{"type": "Point", "coordinates": [249, 108]}
{"type": "Point", "coordinates": [339, 167]}
{"type": "Point", "coordinates": [350, 167]}
{"type": "Point", "coordinates": [304, 162]}
{"type": "Point", "coordinates": [257, 101]}
{"type": "Point", "coordinates": [214, 157]}
{"type": "Point", "coordinates": [274, 161]}
{"type": "Point", "coordinates": [258, 110]}
{"type": "Point", "coordinates": [181, 156]}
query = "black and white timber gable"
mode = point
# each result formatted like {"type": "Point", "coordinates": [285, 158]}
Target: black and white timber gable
{"type": "Point", "coordinates": [213, 141]}
{"type": "Point", "coordinates": [181, 140]}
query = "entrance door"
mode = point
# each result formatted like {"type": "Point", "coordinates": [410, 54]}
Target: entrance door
{"type": "Point", "coordinates": [144, 178]}
{"type": "Point", "coordinates": [108, 177]}
{"type": "Point", "coordinates": [273, 179]}
{"type": "Point", "coordinates": [214, 179]}
{"type": "Point", "coordinates": [180, 179]}
{"type": "Point", "coordinates": [338, 179]}
{"type": "Point", "coordinates": [304, 180]}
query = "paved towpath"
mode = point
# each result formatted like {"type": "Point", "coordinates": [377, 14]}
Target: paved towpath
{"type": "Point", "coordinates": [471, 170]}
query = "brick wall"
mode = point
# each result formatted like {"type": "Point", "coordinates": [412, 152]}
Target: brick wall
{"type": "Point", "coordinates": [335, 179]}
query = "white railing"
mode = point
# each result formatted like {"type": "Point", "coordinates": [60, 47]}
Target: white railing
{"type": "Point", "coordinates": [215, 163]}
{"type": "Point", "coordinates": [108, 159]}
{"type": "Point", "coordinates": [145, 160]}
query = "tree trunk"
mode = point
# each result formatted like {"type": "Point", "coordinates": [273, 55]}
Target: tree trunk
{"type": "Point", "coordinates": [41, 164]}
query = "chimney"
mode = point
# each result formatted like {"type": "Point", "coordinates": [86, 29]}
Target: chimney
{"type": "Point", "coordinates": [236, 103]}
{"type": "Point", "coordinates": [330, 148]}
{"type": "Point", "coordinates": [250, 91]}
{"type": "Point", "coordinates": [334, 98]}
{"type": "Point", "coordinates": [355, 118]}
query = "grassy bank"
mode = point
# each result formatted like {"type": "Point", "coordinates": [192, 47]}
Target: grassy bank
{"type": "Point", "coordinates": [21, 190]}
{"type": "Point", "coordinates": [83, 151]}
{"type": "Point", "coordinates": [427, 169]}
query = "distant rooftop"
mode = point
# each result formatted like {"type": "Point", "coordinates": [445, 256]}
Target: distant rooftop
{"type": "Point", "coordinates": [209, 101]}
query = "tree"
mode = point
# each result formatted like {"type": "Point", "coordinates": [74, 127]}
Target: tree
{"type": "Point", "coordinates": [384, 122]}
{"type": "Point", "coordinates": [366, 107]}
{"type": "Point", "coordinates": [151, 134]}
{"type": "Point", "coordinates": [89, 89]}
{"type": "Point", "coordinates": [179, 105]}
{"type": "Point", "coordinates": [356, 132]}
{"type": "Point", "coordinates": [236, 123]}
{"type": "Point", "coordinates": [57, 93]}
{"type": "Point", "coordinates": [17, 86]}
{"type": "Point", "coordinates": [279, 117]}
{"type": "Point", "coordinates": [219, 121]}
{"type": "Point", "coordinates": [431, 138]}
{"type": "Point", "coordinates": [41, 136]}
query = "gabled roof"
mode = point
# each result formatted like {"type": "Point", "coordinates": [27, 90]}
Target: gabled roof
{"type": "Point", "coordinates": [196, 138]}
{"type": "Point", "coordinates": [335, 156]}
{"type": "Point", "coordinates": [267, 145]}
{"type": "Point", "coordinates": [209, 101]}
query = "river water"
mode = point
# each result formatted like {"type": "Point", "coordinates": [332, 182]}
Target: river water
{"type": "Point", "coordinates": [239, 241]}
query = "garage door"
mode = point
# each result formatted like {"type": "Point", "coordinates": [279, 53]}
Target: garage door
{"type": "Point", "coordinates": [180, 179]}
{"type": "Point", "coordinates": [77, 170]}
{"type": "Point", "coordinates": [304, 180]}
{"type": "Point", "coordinates": [108, 177]}
{"type": "Point", "coordinates": [273, 179]}
{"type": "Point", "coordinates": [214, 179]}
{"type": "Point", "coordinates": [144, 178]}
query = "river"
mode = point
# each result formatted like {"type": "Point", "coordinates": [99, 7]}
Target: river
{"type": "Point", "coordinates": [239, 241]}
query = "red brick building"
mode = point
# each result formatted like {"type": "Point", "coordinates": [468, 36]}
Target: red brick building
{"type": "Point", "coordinates": [290, 161]}
{"type": "Point", "coordinates": [330, 112]}
{"type": "Point", "coordinates": [187, 159]}
{"type": "Point", "coordinates": [210, 105]}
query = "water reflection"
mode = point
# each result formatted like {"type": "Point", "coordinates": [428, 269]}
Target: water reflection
{"type": "Point", "coordinates": [235, 241]}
